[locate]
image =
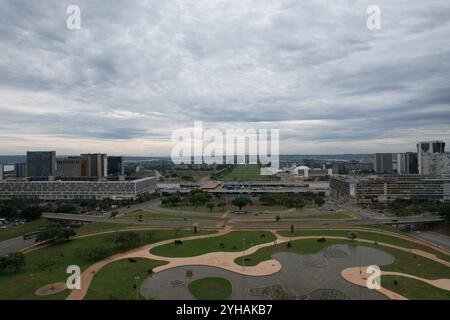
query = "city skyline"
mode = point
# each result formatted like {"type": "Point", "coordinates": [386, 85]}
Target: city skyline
{"type": "Point", "coordinates": [136, 71]}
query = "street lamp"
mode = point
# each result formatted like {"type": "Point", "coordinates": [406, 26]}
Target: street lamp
{"type": "Point", "coordinates": [243, 265]}
{"type": "Point", "coordinates": [136, 280]}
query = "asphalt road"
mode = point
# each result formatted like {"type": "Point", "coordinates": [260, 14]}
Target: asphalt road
{"type": "Point", "coordinates": [436, 238]}
{"type": "Point", "coordinates": [14, 244]}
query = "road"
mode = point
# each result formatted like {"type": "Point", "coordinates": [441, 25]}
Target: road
{"type": "Point", "coordinates": [437, 238]}
{"type": "Point", "coordinates": [14, 244]}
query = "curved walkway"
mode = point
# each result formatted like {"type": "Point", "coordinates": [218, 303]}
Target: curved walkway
{"type": "Point", "coordinates": [223, 260]}
{"type": "Point", "coordinates": [359, 276]}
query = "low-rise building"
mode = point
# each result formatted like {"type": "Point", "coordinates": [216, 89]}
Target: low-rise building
{"type": "Point", "coordinates": [390, 188]}
{"type": "Point", "coordinates": [76, 190]}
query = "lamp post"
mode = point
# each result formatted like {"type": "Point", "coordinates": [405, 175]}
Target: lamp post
{"type": "Point", "coordinates": [136, 280]}
{"type": "Point", "coordinates": [243, 265]}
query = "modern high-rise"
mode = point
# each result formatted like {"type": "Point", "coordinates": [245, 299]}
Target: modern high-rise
{"type": "Point", "coordinates": [407, 163]}
{"type": "Point", "coordinates": [432, 159]}
{"type": "Point", "coordinates": [68, 167]}
{"type": "Point", "coordinates": [20, 170]}
{"type": "Point", "coordinates": [1, 171]}
{"type": "Point", "coordinates": [383, 163]}
{"type": "Point", "coordinates": [115, 166]}
{"type": "Point", "coordinates": [41, 163]}
{"type": "Point", "coordinates": [93, 165]}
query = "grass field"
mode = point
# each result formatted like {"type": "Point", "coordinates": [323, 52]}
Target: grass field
{"type": "Point", "coordinates": [328, 216]}
{"type": "Point", "coordinates": [233, 242]}
{"type": "Point", "coordinates": [195, 174]}
{"type": "Point", "coordinates": [94, 227]}
{"type": "Point", "coordinates": [414, 289]}
{"type": "Point", "coordinates": [161, 216]}
{"type": "Point", "coordinates": [196, 209]}
{"type": "Point", "coordinates": [116, 281]}
{"type": "Point", "coordinates": [48, 264]}
{"type": "Point", "coordinates": [16, 231]}
{"type": "Point", "coordinates": [246, 173]}
{"type": "Point", "coordinates": [211, 289]}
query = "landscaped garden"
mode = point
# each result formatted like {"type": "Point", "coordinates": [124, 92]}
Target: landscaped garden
{"type": "Point", "coordinates": [48, 264]}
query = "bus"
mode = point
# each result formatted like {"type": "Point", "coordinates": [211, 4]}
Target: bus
{"type": "Point", "coordinates": [31, 235]}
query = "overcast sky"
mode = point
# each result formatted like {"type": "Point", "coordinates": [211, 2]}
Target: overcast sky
{"type": "Point", "coordinates": [137, 70]}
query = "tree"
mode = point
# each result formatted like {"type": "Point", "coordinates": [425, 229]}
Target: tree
{"type": "Point", "coordinates": [14, 261]}
{"type": "Point", "coordinates": [66, 233]}
{"type": "Point", "coordinates": [31, 213]}
{"type": "Point", "coordinates": [241, 202]}
{"type": "Point", "coordinates": [221, 204]}
{"type": "Point", "coordinates": [352, 236]}
{"type": "Point", "coordinates": [319, 201]}
{"type": "Point", "coordinates": [55, 232]}
{"type": "Point", "coordinates": [210, 206]}
{"type": "Point", "coordinates": [198, 197]}
{"type": "Point", "coordinates": [66, 208]}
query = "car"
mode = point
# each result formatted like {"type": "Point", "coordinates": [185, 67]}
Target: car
{"type": "Point", "coordinates": [417, 232]}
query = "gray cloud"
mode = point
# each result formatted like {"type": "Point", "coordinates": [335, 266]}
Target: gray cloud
{"type": "Point", "coordinates": [139, 69]}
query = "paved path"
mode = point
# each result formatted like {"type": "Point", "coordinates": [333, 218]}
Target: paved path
{"type": "Point", "coordinates": [223, 260]}
{"type": "Point", "coordinates": [359, 276]}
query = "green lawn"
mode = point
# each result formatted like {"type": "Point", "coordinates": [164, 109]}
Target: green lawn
{"type": "Point", "coordinates": [195, 208]}
{"type": "Point", "coordinates": [116, 281]}
{"type": "Point", "coordinates": [196, 174]}
{"type": "Point", "coordinates": [250, 172]}
{"type": "Point", "coordinates": [328, 216]}
{"type": "Point", "coordinates": [94, 227]}
{"type": "Point", "coordinates": [414, 289]}
{"type": "Point", "coordinates": [211, 289]}
{"type": "Point", "coordinates": [233, 242]}
{"type": "Point", "coordinates": [16, 231]}
{"type": "Point", "coordinates": [49, 264]}
{"type": "Point", "coordinates": [373, 236]}
{"type": "Point", "coordinates": [161, 216]}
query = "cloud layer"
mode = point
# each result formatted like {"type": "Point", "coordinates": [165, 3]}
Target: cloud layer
{"type": "Point", "coordinates": [137, 70]}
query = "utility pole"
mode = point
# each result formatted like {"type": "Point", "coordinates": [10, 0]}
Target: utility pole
{"type": "Point", "coordinates": [136, 279]}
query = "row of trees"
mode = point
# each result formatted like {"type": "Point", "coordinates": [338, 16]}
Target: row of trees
{"type": "Point", "coordinates": [56, 232]}
{"type": "Point", "coordinates": [291, 200]}
{"type": "Point", "coordinates": [415, 207]}
{"type": "Point", "coordinates": [12, 209]}
{"type": "Point", "coordinates": [195, 197]}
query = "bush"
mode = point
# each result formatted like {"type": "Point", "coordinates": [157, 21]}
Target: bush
{"type": "Point", "coordinates": [12, 262]}
{"type": "Point", "coordinates": [31, 213]}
